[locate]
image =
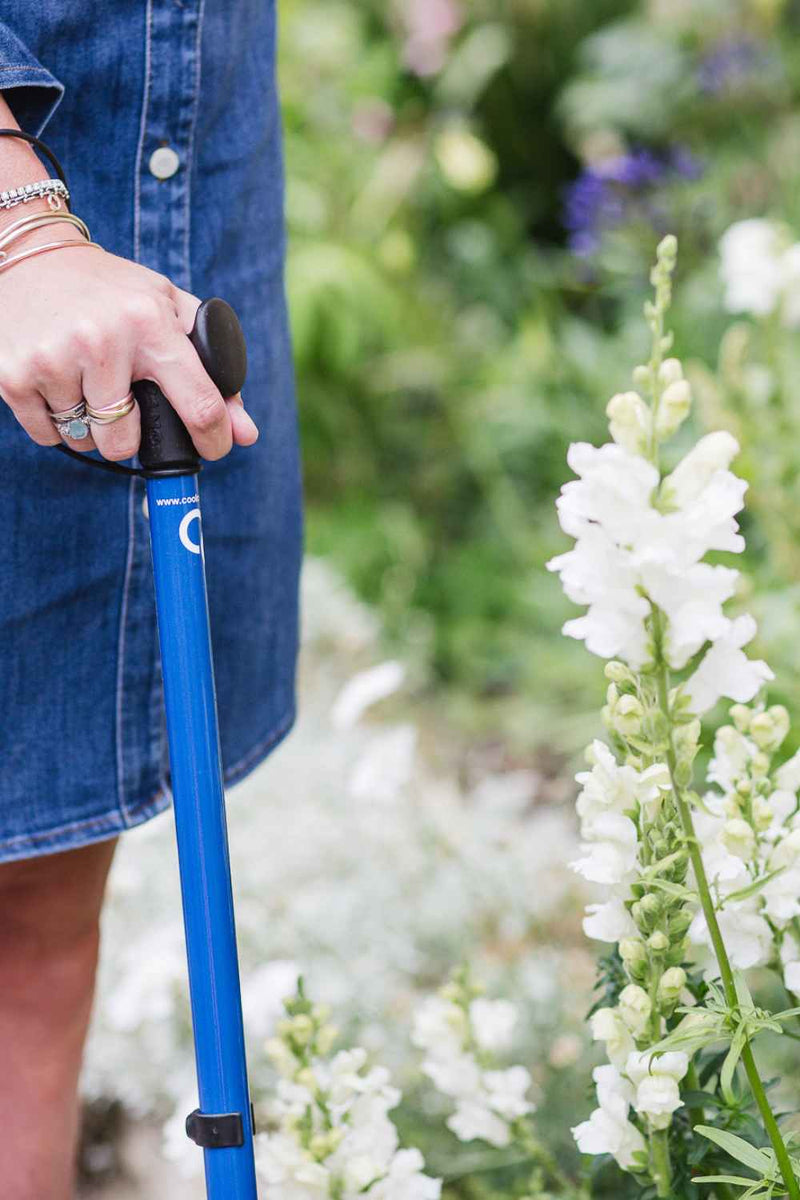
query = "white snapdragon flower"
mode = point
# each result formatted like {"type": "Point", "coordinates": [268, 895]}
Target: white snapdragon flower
{"type": "Point", "coordinates": [457, 1075]}
{"type": "Point", "coordinates": [781, 897]}
{"type": "Point", "coordinates": [405, 1180]}
{"type": "Point", "coordinates": [506, 1092]}
{"type": "Point", "coordinates": [733, 753]}
{"type": "Point", "coordinates": [635, 1008]}
{"type": "Point", "coordinates": [439, 1027]}
{"type": "Point", "coordinates": [608, 1130]}
{"type": "Point", "coordinates": [727, 671]}
{"type": "Point", "coordinates": [712, 453]}
{"type": "Point", "coordinates": [473, 1119]}
{"type": "Point", "coordinates": [492, 1023]}
{"type": "Point", "coordinates": [284, 1166]}
{"type": "Point", "coordinates": [609, 922]}
{"type": "Point", "coordinates": [724, 869]}
{"type": "Point", "coordinates": [790, 961]}
{"type": "Point", "coordinates": [787, 777]}
{"type": "Point", "coordinates": [611, 787]}
{"type": "Point", "coordinates": [760, 270]}
{"type": "Point", "coordinates": [608, 1026]}
{"type": "Point", "coordinates": [612, 854]}
{"type": "Point", "coordinates": [692, 601]}
{"type": "Point", "coordinates": [656, 1081]}
{"type": "Point", "coordinates": [751, 266]}
{"type": "Point", "coordinates": [746, 934]}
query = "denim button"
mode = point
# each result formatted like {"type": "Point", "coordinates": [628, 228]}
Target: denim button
{"type": "Point", "coordinates": [164, 162]}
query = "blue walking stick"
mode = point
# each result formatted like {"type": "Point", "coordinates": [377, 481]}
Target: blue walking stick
{"type": "Point", "coordinates": [223, 1124]}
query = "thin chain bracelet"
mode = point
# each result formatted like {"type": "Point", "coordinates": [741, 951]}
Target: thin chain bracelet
{"type": "Point", "coordinates": [53, 189]}
{"type": "Point", "coordinates": [37, 221]}
{"type": "Point", "coordinates": [41, 249]}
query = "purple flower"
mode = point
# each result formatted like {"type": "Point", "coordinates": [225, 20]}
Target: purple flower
{"type": "Point", "coordinates": [608, 194]}
{"type": "Point", "coordinates": [731, 63]}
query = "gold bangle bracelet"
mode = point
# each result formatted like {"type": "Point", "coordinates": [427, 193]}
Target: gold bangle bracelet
{"type": "Point", "coordinates": [37, 220]}
{"type": "Point", "coordinates": [41, 249]}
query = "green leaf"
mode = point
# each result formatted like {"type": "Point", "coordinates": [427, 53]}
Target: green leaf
{"type": "Point", "coordinates": [673, 889]}
{"type": "Point", "coordinates": [740, 1180]}
{"type": "Point", "coordinates": [738, 1148]}
{"type": "Point", "coordinates": [752, 888]}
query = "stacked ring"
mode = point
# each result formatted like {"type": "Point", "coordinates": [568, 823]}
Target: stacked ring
{"type": "Point", "coordinates": [72, 422]}
{"type": "Point", "coordinates": [111, 412]}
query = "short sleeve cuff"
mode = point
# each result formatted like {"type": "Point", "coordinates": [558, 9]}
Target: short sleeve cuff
{"type": "Point", "coordinates": [31, 91]}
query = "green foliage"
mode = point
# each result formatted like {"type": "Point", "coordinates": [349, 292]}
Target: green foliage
{"type": "Point", "coordinates": [449, 345]}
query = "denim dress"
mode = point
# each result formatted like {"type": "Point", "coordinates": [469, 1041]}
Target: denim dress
{"type": "Point", "coordinates": [164, 114]}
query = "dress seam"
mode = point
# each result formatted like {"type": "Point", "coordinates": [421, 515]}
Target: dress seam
{"type": "Point", "coordinates": [190, 147]}
{"type": "Point", "coordinates": [120, 741]}
{"type": "Point", "coordinates": [137, 215]}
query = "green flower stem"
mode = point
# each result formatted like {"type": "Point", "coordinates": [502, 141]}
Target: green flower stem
{"type": "Point", "coordinates": [660, 1166]}
{"type": "Point", "coordinates": [751, 1070]}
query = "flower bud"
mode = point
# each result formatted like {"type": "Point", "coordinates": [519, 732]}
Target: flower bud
{"type": "Point", "coordinates": [301, 1029]}
{"type": "Point", "coordinates": [326, 1037]}
{"type": "Point", "coordinates": [658, 942]}
{"type": "Point", "coordinates": [641, 377]}
{"type": "Point", "coordinates": [673, 408]}
{"type": "Point", "coordinates": [633, 953]}
{"type": "Point", "coordinates": [759, 764]}
{"type": "Point", "coordinates": [282, 1057]}
{"type": "Point", "coordinates": [741, 716]}
{"type": "Point", "coordinates": [627, 716]}
{"type": "Point", "coordinates": [670, 371]}
{"type": "Point", "coordinates": [679, 922]}
{"type": "Point", "coordinates": [763, 813]}
{"type": "Point", "coordinates": [738, 838]}
{"type": "Point", "coordinates": [672, 983]}
{"type": "Point", "coordinates": [646, 911]}
{"type": "Point", "coordinates": [617, 672]}
{"type": "Point", "coordinates": [630, 421]}
{"type": "Point", "coordinates": [786, 852]}
{"type": "Point", "coordinates": [667, 251]}
{"type": "Point", "coordinates": [768, 729]}
{"type": "Point", "coordinates": [306, 1079]}
{"type": "Point", "coordinates": [635, 1008]}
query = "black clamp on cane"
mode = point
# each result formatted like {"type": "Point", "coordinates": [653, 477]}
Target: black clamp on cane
{"type": "Point", "coordinates": [217, 1131]}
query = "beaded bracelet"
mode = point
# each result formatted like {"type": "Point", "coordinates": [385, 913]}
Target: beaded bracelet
{"type": "Point", "coordinates": [53, 189]}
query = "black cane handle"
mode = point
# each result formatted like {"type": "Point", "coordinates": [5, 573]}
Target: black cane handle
{"type": "Point", "coordinates": [217, 336]}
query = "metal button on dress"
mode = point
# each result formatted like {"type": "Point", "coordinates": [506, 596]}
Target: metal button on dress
{"type": "Point", "coordinates": [164, 162]}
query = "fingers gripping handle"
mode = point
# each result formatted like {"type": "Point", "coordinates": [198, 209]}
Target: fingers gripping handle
{"type": "Point", "coordinates": [217, 337]}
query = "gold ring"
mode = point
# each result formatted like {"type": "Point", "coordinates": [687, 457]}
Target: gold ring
{"type": "Point", "coordinates": [111, 412]}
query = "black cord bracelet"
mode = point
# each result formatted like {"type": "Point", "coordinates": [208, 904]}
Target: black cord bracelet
{"type": "Point", "coordinates": [39, 144]}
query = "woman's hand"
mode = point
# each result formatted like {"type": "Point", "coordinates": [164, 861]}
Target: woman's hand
{"type": "Point", "coordinates": [85, 324]}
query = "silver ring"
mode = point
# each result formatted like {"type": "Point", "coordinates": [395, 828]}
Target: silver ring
{"type": "Point", "coordinates": [111, 412]}
{"type": "Point", "coordinates": [71, 422]}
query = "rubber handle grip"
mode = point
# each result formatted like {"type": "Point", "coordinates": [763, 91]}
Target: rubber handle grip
{"type": "Point", "coordinates": [219, 341]}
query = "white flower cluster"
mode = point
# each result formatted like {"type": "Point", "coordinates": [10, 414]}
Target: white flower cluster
{"type": "Point", "coordinates": [760, 270]}
{"type": "Point", "coordinates": [749, 831]}
{"type": "Point", "coordinates": [460, 1040]}
{"type": "Point", "coordinates": [334, 1138]}
{"type": "Point", "coordinates": [649, 1085]}
{"type": "Point", "coordinates": [640, 541]}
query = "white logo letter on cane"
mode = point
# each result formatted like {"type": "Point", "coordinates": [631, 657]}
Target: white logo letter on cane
{"type": "Point", "coordinates": [184, 530]}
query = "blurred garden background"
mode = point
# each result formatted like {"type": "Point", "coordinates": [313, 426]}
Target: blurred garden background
{"type": "Point", "coordinates": [474, 192]}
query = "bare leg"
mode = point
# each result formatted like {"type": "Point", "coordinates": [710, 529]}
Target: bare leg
{"type": "Point", "coordinates": [49, 939]}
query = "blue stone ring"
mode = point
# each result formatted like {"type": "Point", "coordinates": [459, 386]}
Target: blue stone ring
{"type": "Point", "coordinates": [72, 422]}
